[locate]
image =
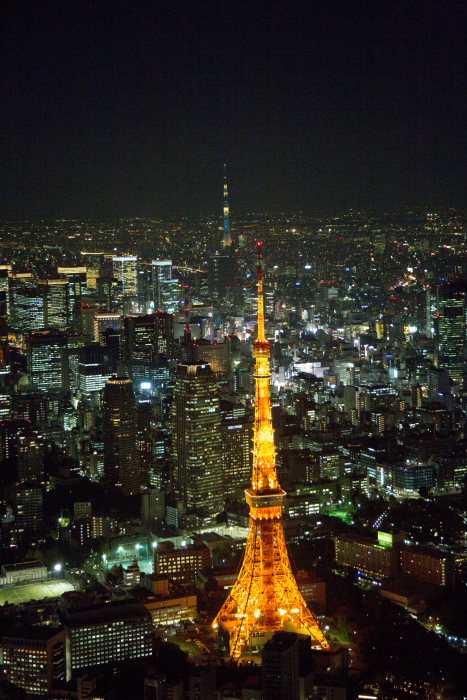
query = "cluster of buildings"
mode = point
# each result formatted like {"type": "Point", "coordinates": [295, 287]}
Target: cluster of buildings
{"type": "Point", "coordinates": [389, 556]}
{"type": "Point", "coordinates": [126, 403]}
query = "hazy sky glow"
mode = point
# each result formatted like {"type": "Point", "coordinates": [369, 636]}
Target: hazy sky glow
{"type": "Point", "coordinates": [126, 108]}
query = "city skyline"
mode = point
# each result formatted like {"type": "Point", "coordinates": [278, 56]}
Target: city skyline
{"type": "Point", "coordinates": [233, 350]}
{"type": "Point", "coordinates": [163, 386]}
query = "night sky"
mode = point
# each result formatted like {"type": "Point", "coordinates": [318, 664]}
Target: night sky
{"type": "Point", "coordinates": [116, 108]}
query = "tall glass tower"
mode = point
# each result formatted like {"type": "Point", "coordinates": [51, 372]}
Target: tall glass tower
{"type": "Point", "coordinates": [197, 442]}
{"type": "Point", "coordinates": [121, 459]}
{"type": "Point", "coordinates": [450, 330]}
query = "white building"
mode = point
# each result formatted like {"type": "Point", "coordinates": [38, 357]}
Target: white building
{"type": "Point", "coordinates": [22, 572]}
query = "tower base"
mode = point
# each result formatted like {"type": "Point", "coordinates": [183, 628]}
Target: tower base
{"type": "Point", "coordinates": [265, 598]}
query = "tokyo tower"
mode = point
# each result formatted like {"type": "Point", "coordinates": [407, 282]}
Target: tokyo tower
{"type": "Point", "coordinates": [265, 596]}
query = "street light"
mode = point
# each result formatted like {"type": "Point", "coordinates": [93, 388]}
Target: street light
{"type": "Point", "coordinates": [57, 568]}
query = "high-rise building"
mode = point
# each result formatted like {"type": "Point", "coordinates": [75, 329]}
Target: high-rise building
{"type": "Point", "coordinates": [439, 385]}
{"type": "Point", "coordinates": [121, 460]}
{"type": "Point", "coordinates": [161, 272]}
{"type": "Point", "coordinates": [106, 634]}
{"type": "Point", "coordinates": [280, 662]}
{"type": "Point", "coordinates": [165, 289]}
{"type": "Point", "coordinates": [30, 455]}
{"type": "Point", "coordinates": [27, 309]}
{"type": "Point", "coordinates": [144, 441]}
{"type": "Point", "coordinates": [159, 475]}
{"type": "Point", "coordinates": [112, 339]}
{"type": "Point", "coordinates": [46, 360]}
{"type": "Point", "coordinates": [265, 597]}
{"type": "Point", "coordinates": [5, 388]}
{"type": "Point", "coordinates": [227, 239]}
{"type": "Point", "coordinates": [450, 330]}
{"type": "Point", "coordinates": [55, 292]}
{"type": "Point", "coordinates": [91, 372]}
{"type": "Point", "coordinates": [141, 338]}
{"type": "Point", "coordinates": [77, 287]}
{"type": "Point", "coordinates": [21, 279]}
{"type": "Point", "coordinates": [105, 320]}
{"type": "Point", "coordinates": [34, 658]}
{"type": "Point", "coordinates": [107, 291]}
{"type": "Point", "coordinates": [29, 507]}
{"type": "Point", "coordinates": [165, 333]}
{"type": "Point", "coordinates": [75, 344]}
{"type": "Point", "coordinates": [152, 507]}
{"type": "Point", "coordinates": [196, 441]}
{"type": "Point", "coordinates": [4, 316]}
{"type": "Point", "coordinates": [237, 431]}
{"type": "Point", "coordinates": [216, 354]}
{"type": "Point", "coordinates": [125, 271]}
{"type": "Point", "coordinates": [221, 275]}
{"type": "Point", "coordinates": [5, 271]}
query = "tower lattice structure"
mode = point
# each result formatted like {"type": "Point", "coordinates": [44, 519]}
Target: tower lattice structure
{"type": "Point", "coordinates": [265, 597]}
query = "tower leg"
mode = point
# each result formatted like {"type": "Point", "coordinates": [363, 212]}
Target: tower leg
{"type": "Point", "coordinates": [265, 595]}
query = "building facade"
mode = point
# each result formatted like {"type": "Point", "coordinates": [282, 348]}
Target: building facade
{"type": "Point", "coordinates": [197, 445]}
{"type": "Point", "coordinates": [34, 658]}
{"type": "Point", "coordinates": [104, 634]}
{"type": "Point", "coordinates": [125, 271]}
{"type": "Point", "coordinates": [121, 459]}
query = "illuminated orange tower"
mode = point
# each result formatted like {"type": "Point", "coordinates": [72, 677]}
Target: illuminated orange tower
{"type": "Point", "coordinates": [265, 596]}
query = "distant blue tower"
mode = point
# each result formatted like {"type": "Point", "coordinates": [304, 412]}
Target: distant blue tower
{"type": "Point", "coordinates": [227, 239]}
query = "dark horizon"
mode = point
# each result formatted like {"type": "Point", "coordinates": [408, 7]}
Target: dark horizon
{"type": "Point", "coordinates": [128, 109]}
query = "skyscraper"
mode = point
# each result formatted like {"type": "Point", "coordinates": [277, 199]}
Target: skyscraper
{"type": "Point", "coordinates": [161, 274]}
{"type": "Point", "coordinates": [5, 388]}
{"type": "Point", "coordinates": [197, 448]}
{"type": "Point", "coordinates": [227, 239]}
{"type": "Point", "coordinates": [221, 275]}
{"type": "Point", "coordinates": [165, 333]}
{"type": "Point", "coordinates": [124, 270]}
{"type": "Point", "coordinates": [236, 428]}
{"type": "Point", "coordinates": [77, 286]}
{"type": "Point", "coordinates": [29, 507]}
{"type": "Point", "coordinates": [450, 330]}
{"type": "Point", "coordinates": [121, 461]}
{"type": "Point", "coordinates": [91, 373]}
{"type": "Point", "coordinates": [27, 309]}
{"type": "Point", "coordinates": [217, 354]}
{"type": "Point", "coordinates": [55, 292]}
{"type": "Point", "coordinates": [141, 338]}
{"type": "Point", "coordinates": [30, 455]}
{"type": "Point", "coordinates": [46, 359]}
{"type": "Point", "coordinates": [5, 271]}
{"type": "Point", "coordinates": [144, 441]}
{"type": "Point", "coordinates": [105, 320]}
{"type": "Point", "coordinates": [165, 289]}
{"type": "Point", "coordinates": [265, 597]}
